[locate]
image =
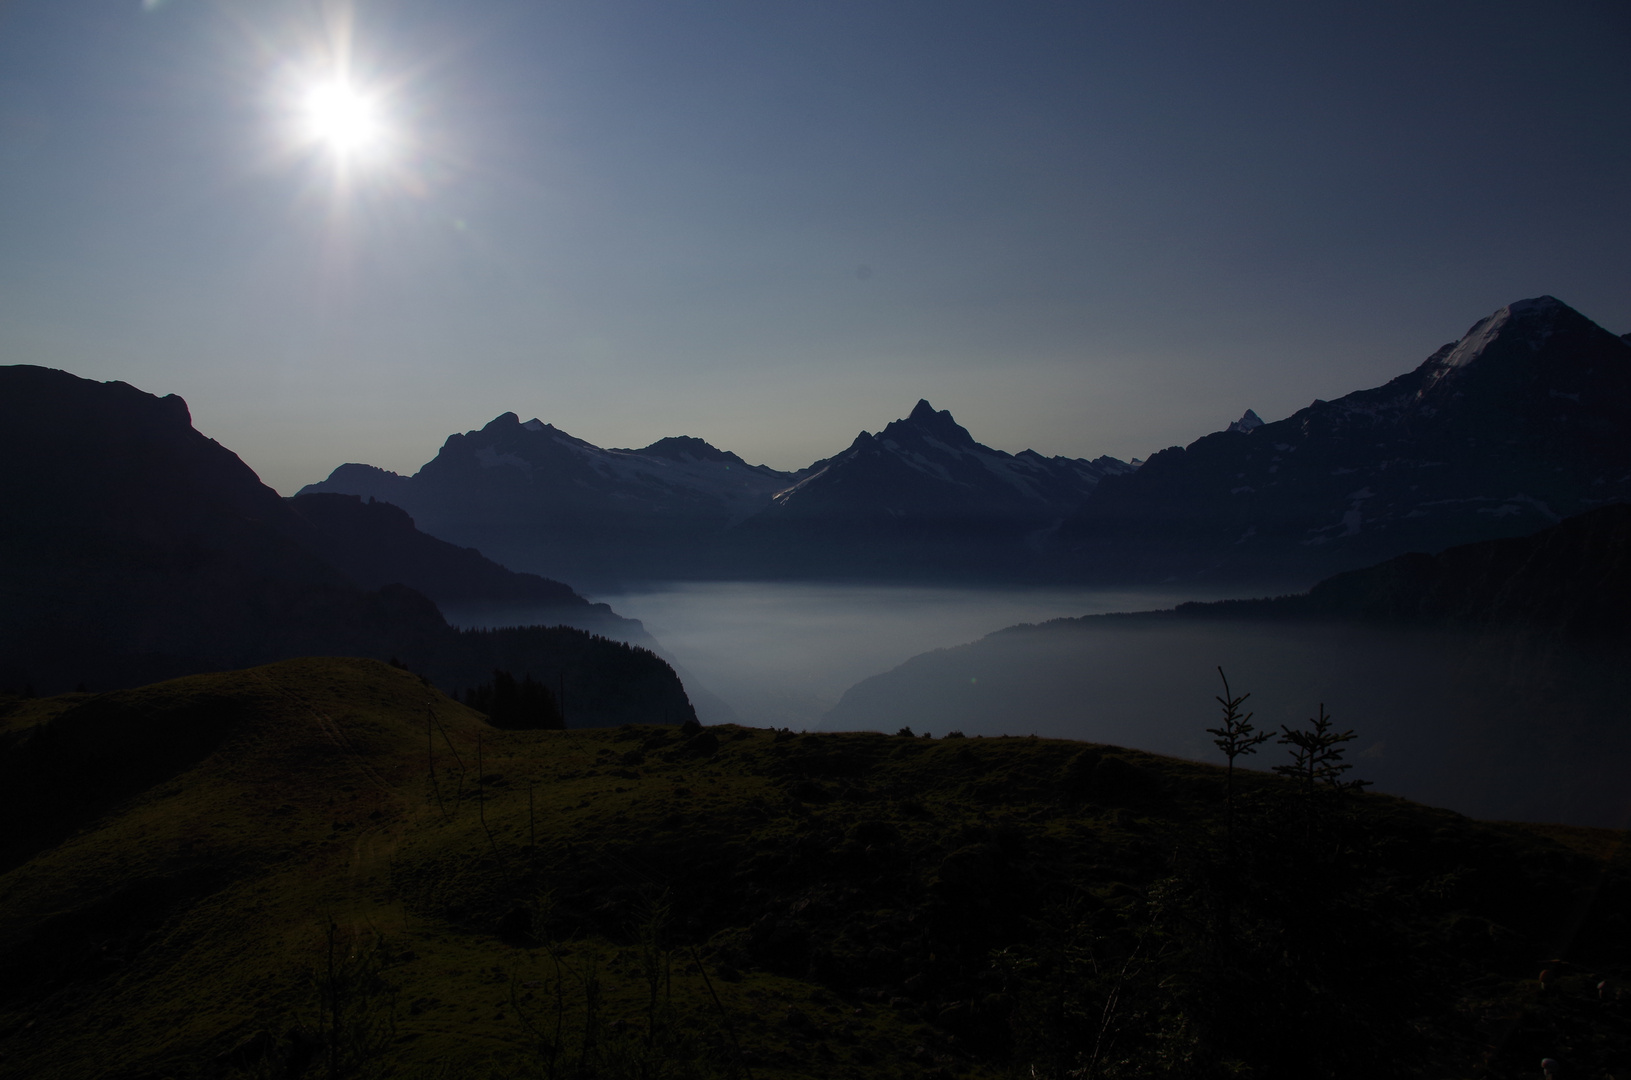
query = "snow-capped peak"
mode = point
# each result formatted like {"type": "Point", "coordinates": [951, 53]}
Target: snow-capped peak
{"type": "Point", "coordinates": [1247, 422]}
{"type": "Point", "coordinates": [1476, 340]}
{"type": "Point", "coordinates": [1531, 321]}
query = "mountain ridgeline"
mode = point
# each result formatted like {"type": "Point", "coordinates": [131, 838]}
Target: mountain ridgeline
{"type": "Point", "coordinates": [1572, 580]}
{"type": "Point", "coordinates": [1523, 421]}
{"type": "Point", "coordinates": [919, 498]}
{"type": "Point", "coordinates": [133, 548]}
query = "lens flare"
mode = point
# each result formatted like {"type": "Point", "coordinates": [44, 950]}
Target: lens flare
{"type": "Point", "coordinates": [345, 120]}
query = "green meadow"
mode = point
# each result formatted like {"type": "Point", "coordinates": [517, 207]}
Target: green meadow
{"type": "Point", "coordinates": [326, 868]}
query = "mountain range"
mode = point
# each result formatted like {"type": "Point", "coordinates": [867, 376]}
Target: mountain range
{"type": "Point", "coordinates": [1524, 420]}
{"type": "Point", "coordinates": [133, 548]}
{"type": "Point", "coordinates": [920, 499]}
{"type": "Point", "coordinates": [919, 496]}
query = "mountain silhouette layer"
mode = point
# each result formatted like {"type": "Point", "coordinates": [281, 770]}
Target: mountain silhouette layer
{"type": "Point", "coordinates": [134, 548]}
{"type": "Point", "coordinates": [1523, 421]}
{"type": "Point", "coordinates": [1573, 580]}
{"type": "Point", "coordinates": [920, 498]}
{"type": "Point", "coordinates": [532, 496]}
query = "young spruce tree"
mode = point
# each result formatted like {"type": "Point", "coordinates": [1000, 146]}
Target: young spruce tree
{"type": "Point", "coordinates": [1235, 738]}
{"type": "Point", "coordinates": [1316, 762]}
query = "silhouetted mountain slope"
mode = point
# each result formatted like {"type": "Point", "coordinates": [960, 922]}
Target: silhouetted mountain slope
{"type": "Point", "coordinates": [376, 544]}
{"type": "Point", "coordinates": [275, 873]}
{"type": "Point", "coordinates": [133, 548]}
{"type": "Point", "coordinates": [1490, 678]}
{"type": "Point", "coordinates": [533, 496]}
{"type": "Point", "coordinates": [131, 539]}
{"type": "Point", "coordinates": [1574, 577]}
{"type": "Point", "coordinates": [920, 497]}
{"type": "Point", "coordinates": [1524, 421]}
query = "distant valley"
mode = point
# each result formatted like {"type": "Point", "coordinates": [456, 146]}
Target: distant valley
{"type": "Point", "coordinates": [1491, 678]}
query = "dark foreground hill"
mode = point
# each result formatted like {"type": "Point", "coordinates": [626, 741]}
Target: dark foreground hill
{"type": "Point", "coordinates": [134, 548]}
{"type": "Point", "coordinates": [324, 868]}
{"type": "Point", "coordinates": [1491, 677]}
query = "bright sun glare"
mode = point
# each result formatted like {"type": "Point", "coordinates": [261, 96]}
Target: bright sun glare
{"type": "Point", "coordinates": [345, 120]}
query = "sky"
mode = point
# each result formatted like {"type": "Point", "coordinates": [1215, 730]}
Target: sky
{"type": "Point", "coordinates": [1085, 228]}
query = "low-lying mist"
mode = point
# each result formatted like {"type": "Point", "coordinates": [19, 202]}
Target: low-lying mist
{"type": "Point", "coordinates": [782, 655]}
{"type": "Point", "coordinates": [1491, 723]}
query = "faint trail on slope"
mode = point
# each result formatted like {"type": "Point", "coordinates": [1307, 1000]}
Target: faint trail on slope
{"type": "Point", "coordinates": [333, 732]}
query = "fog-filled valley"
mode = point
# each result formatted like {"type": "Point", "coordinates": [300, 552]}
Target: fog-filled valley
{"type": "Point", "coordinates": [1491, 723]}
{"type": "Point", "coordinates": [1494, 723]}
{"type": "Point", "coordinates": [781, 654]}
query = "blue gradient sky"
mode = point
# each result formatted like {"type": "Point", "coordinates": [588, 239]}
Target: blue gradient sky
{"type": "Point", "coordinates": [1083, 227]}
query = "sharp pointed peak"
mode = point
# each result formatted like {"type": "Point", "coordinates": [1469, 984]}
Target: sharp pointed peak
{"type": "Point", "coordinates": [926, 420]}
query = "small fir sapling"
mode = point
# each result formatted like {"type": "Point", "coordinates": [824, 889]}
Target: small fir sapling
{"type": "Point", "coordinates": [1316, 756]}
{"type": "Point", "coordinates": [1235, 738]}
{"type": "Point", "coordinates": [1316, 762]}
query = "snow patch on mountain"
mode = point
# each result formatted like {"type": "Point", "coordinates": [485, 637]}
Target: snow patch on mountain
{"type": "Point", "coordinates": [493, 458]}
{"type": "Point", "coordinates": [1473, 343]}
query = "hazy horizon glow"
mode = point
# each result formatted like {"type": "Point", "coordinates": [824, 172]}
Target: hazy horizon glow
{"type": "Point", "coordinates": [1084, 229]}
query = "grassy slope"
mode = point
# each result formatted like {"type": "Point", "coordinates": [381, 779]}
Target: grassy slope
{"type": "Point", "coordinates": [847, 893]}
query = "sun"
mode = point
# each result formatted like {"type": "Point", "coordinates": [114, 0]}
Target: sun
{"type": "Point", "coordinates": [346, 121]}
